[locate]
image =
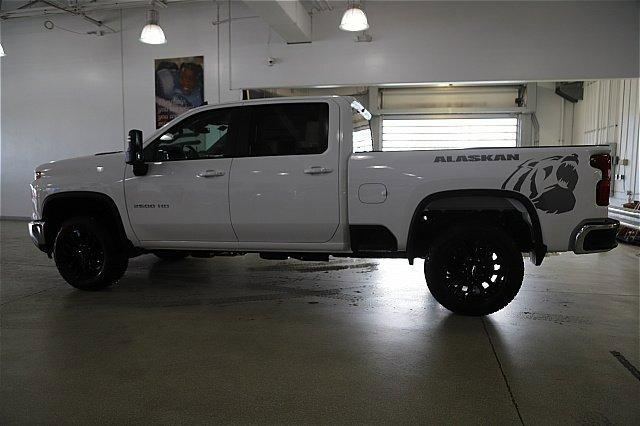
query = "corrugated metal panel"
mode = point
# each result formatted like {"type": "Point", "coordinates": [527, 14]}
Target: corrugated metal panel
{"type": "Point", "coordinates": [612, 115]}
{"type": "Point", "coordinates": [448, 133]}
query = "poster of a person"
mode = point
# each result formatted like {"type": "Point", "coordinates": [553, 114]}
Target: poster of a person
{"type": "Point", "coordinates": [179, 87]}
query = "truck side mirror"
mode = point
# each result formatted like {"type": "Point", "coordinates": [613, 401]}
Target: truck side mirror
{"type": "Point", "coordinates": [134, 154]}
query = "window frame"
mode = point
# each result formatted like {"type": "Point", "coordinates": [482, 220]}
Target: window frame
{"type": "Point", "coordinates": [249, 115]}
{"type": "Point", "coordinates": [233, 134]}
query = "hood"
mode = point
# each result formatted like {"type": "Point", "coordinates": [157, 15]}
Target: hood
{"type": "Point", "coordinates": [82, 164]}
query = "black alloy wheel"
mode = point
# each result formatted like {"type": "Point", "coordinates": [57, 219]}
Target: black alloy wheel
{"type": "Point", "coordinates": [474, 270]}
{"type": "Point", "coordinates": [87, 256]}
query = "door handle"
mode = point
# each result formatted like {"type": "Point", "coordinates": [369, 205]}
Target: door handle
{"type": "Point", "coordinates": [210, 173]}
{"type": "Point", "coordinates": [317, 170]}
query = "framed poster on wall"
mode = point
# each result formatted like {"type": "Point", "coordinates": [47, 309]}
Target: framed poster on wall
{"type": "Point", "coordinates": [179, 86]}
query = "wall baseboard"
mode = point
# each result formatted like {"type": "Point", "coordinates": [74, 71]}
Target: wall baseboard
{"type": "Point", "coordinates": [20, 218]}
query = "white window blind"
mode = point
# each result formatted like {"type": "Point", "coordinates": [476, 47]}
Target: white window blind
{"type": "Point", "coordinates": [448, 133]}
{"type": "Point", "coordinates": [362, 141]}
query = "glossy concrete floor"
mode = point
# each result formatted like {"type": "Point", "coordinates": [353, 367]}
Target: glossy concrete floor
{"type": "Point", "coordinates": [244, 340]}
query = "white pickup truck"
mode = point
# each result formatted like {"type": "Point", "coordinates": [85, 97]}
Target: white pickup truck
{"type": "Point", "coordinates": [280, 177]}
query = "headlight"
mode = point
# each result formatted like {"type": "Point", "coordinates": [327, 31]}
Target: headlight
{"type": "Point", "coordinates": [38, 174]}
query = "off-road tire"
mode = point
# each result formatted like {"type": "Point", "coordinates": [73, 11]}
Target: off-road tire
{"type": "Point", "coordinates": [87, 255]}
{"type": "Point", "coordinates": [461, 264]}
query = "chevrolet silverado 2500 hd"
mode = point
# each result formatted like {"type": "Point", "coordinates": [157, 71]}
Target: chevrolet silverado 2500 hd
{"type": "Point", "coordinates": [280, 177]}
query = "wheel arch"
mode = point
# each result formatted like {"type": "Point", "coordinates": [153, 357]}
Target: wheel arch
{"type": "Point", "coordinates": [493, 198]}
{"type": "Point", "coordinates": [60, 206]}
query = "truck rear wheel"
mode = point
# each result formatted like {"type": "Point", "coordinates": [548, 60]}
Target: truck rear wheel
{"type": "Point", "coordinates": [87, 256]}
{"type": "Point", "coordinates": [474, 270]}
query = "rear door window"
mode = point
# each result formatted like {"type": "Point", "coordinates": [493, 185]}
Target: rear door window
{"type": "Point", "coordinates": [288, 129]}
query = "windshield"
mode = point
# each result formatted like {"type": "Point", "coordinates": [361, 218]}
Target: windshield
{"type": "Point", "coordinates": [362, 140]}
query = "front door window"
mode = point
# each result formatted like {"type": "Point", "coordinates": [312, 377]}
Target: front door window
{"type": "Point", "coordinates": [203, 135]}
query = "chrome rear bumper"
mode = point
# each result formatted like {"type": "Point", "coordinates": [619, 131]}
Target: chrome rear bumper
{"type": "Point", "coordinates": [36, 232]}
{"type": "Point", "coordinates": [595, 235]}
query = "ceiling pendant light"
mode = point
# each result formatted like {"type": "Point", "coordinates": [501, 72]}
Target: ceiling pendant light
{"type": "Point", "coordinates": [1, 51]}
{"type": "Point", "coordinates": [354, 19]}
{"type": "Point", "coordinates": [152, 33]}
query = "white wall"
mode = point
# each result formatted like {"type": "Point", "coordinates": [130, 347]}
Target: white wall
{"type": "Point", "coordinates": [549, 114]}
{"type": "Point", "coordinates": [555, 116]}
{"type": "Point", "coordinates": [610, 113]}
{"type": "Point", "coordinates": [64, 93]}
{"type": "Point", "coordinates": [69, 95]}
{"type": "Point", "coordinates": [450, 41]}
{"type": "Point", "coordinates": [62, 97]}
{"type": "Point", "coordinates": [190, 32]}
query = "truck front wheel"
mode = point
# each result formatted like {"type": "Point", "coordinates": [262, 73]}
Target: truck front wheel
{"type": "Point", "coordinates": [87, 255]}
{"type": "Point", "coordinates": [474, 270]}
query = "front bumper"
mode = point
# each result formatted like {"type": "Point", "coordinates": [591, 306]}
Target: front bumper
{"type": "Point", "coordinates": [36, 232]}
{"type": "Point", "coordinates": [595, 235]}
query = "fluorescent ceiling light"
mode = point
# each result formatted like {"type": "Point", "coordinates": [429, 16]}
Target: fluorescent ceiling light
{"type": "Point", "coordinates": [1, 51]}
{"type": "Point", "coordinates": [152, 33]}
{"type": "Point", "coordinates": [354, 19]}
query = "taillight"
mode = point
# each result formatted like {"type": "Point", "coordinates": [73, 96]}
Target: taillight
{"type": "Point", "coordinates": [602, 162]}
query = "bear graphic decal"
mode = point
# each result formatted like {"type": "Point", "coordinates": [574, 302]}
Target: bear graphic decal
{"type": "Point", "coordinates": [549, 182]}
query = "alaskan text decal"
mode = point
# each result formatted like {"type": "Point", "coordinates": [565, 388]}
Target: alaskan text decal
{"type": "Point", "coordinates": [483, 157]}
{"type": "Point", "coordinates": [549, 182]}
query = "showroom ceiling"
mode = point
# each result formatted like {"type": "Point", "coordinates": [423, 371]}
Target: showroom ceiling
{"type": "Point", "coordinates": [291, 19]}
{"type": "Point", "coordinates": [25, 8]}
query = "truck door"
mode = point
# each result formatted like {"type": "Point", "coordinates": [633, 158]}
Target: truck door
{"type": "Point", "coordinates": [184, 197]}
{"type": "Point", "coordinates": [285, 189]}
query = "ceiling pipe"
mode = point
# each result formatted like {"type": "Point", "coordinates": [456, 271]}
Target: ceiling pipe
{"type": "Point", "coordinates": [29, 11]}
{"type": "Point", "coordinates": [80, 14]}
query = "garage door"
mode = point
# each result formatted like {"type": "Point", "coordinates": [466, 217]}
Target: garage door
{"type": "Point", "coordinates": [401, 134]}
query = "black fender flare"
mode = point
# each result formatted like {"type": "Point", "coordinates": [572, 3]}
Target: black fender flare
{"type": "Point", "coordinates": [539, 248]}
{"type": "Point", "coordinates": [112, 208]}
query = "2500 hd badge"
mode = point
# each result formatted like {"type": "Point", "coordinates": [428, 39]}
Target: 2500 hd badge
{"type": "Point", "coordinates": [150, 206]}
